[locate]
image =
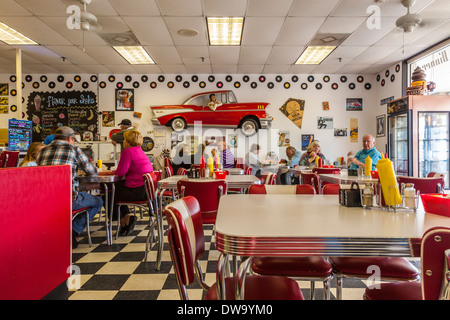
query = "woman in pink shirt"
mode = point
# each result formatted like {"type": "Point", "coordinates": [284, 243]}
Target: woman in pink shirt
{"type": "Point", "coordinates": [133, 164]}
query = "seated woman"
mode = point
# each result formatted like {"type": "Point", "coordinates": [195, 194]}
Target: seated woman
{"type": "Point", "coordinates": [133, 164]}
{"type": "Point", "coordinates": [30, 157]}
{"type": "Point", "coordinates": [311, 153]}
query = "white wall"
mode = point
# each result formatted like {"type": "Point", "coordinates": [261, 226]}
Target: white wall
{"type": "Point", "coordinates": [333, 147]}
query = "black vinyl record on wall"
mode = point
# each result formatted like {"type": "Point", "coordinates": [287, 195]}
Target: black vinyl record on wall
{"type": "Point", "coordinates": [85, 85]}
{"type": "Point", "coordinates": [111, 78]}
{"type": "Point", "coordinates": [178, 78]}
{"type": "Point", "coordinates": [253, 85]}
{"type": "Point", "coordinates": [135, 84]}
{"type": "Point", "coordinates": [228, 78]}
{"type": "Point", "coordinates": [278, 78]}
{"type": "Point", "coordinates": [343, 79]}
{"type": "Point", "coordinates": [128, 78]}
{"type": "Point", "coordinates": [194, 78]}
{"type": "Point", "coordinates": [77, 78]}
{"type": "Point", "coordinates": [102, 84]}
{"type": "Point", "coordinates": [94, 78]}
{"type": "Point", "coordinates": [43, 78]}
{"type": "Point", "coordinates": [28, 78]}
{"type": "Point", "coordinates": [186, 84]}
{"type": "Point", "coordinates": [153, 84]}
{"type": "Point", "coordinates": [310, 78]}
{"type": "Point", "coordinates": [237, 84]}
{"type": "Point", "coordinates": [60, 78]}
{"type": "Point", "coordinates": [211, 78]}
{"type": "Point", "coordinates": [270, 85]}
{"type": "Point", "coordinates": [161, 78]}
{"type": "Point", "coordinates": [351, 86]}
{"type": "Point", "coordinates": [304, 86]}
{"type": "Point", "coordinates": [246, 78]}
{"type": "Point", "coordinates": [144, 78]}
{"type": "Point", "coordinates": [294, 78]}
{"type": "Point", "coordinates": [318, 86]}
{"type": "Point", "coordinates": [51, 84]}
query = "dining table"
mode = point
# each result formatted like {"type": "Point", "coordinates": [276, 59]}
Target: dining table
{"type": "Point", "coordinates": [344, 178]}
{"type": "Point", "coordinates": [107, 180]}
{"type": "Point", "coordinates": [249, 225]}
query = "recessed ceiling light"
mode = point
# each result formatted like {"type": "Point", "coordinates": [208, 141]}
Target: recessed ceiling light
{"type": "Point", "coordinates": [315, 54]}
{"type": "Point", "coordinates": [134, 54]}
{"type": "Point", "coordinates": [187, 32]}
{"type": "Point", "coordinates": [225, 31]}
{"type": "Point", "coordinates": [13, 37]}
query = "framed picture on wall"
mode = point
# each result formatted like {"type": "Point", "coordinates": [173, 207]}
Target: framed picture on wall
{"type": "Point", "coordinates": [354, 104]}
{"type": "Point", "coordinates": [381, 125]}
{"type": "Point", "coordinates": [124, 99]}
{"type": "Point", "coordinates": [306, 140]}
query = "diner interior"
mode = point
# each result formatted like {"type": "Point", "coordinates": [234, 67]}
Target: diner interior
{"type": "Point", "coordinates": [378, 73]}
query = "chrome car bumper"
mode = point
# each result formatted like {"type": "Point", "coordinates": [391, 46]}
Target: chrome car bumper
{"type": "Point", "coordinates": [155, 121]}
{"type": "Point", "coordinates": [266, 123]}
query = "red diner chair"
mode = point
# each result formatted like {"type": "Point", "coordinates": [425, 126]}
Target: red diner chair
{"type": "Point", "coordinates": [76, 213]}
{"type": "Point", "coordinates": [312, 179]}
{"type": "Point", "coordinates": [435, 266]}
{"type": "Point", "coordinates": [9, 159]}
{"type": "Point", "coordinates": [300, 268]}
{"type": "Point", "coordinates": [155, 218]}
{"type": "Point", "coordinates": [142, 205]}
{"type": "Point", "coordinates": [187, 246]}
{"type": "Point", "coordinates": [181, 172]}
{"type": "Point", "coordinates": [424, 185]}
{"type": "Point", "coordinates": [331, 188]}
{"type": "Point", "coordinates": [207, 193]}
{"type": "Point", "coordinates": [435, 175]}
{"type": "Point", "coordinates": [269, 178]}
{"type": "Point", "coordinates": [248, 171]}
{"type": "Point", "coordinates": [326, 171]}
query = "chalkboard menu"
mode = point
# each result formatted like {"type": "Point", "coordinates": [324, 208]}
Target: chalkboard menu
{"type": "Point", "coordinates": [75, 109]}
{"type": "Point", "coordinates": [19, 134]}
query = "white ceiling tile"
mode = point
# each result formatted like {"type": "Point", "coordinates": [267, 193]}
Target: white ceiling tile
{"type": "Point", "coordinates": [158, 35]}
{"type": "Point", "coordinates": [105, 55]}
{"type": "Point", "coordinates": [229, 8]}
{"type": "Point", "coordinates": [199, 68]}
{"type": "Point", "coordinates": [172, 68]}
{"type": "Point", "coordinates": [45, 8]}
{"type": "Point", "coordinates": [12, 8]}
{"type": "Point", "coordinates": [290, 34]}
{"type": "Point", "coordinates": [268, 8]}
{"type": "Point", "coordinates": [353, 68]}
{"type": "Point", "coordinates": [341, 24]}
{"type": "Point", "coordinates": [327, 68]}
{"type": "Point", "coordinates": [365, 36]}
{"type": "Point", "coordinates": [352, 8]}
{"type": "Point", "coordinates": [136, 7]}
{"type": "Point", "coordinates": [164, 54]}
{"type": "Point", "coordinates": [284, 54]}
{"type": "Point", "coordinates": [254, 54]}
{"type": "Point", "coordinates": [261, 31]}
{"type": "Point", "coordinates": [276, 68]}
{"type": "Point", "coordinates": [194, 23]}
{"type": "Point", "coordinates": [250, 69]}
{"type": "Point", "coordinates": [374, 54]}
{"type": "Point", "coordinates": [224, 55]}
{"type": "Point", "coordinates": [180, 7]}
{"type": "Point", "coordinates": [224, 68]}
{"type": "Point", "coordinates": [316, 8]}
{"type": "Point", "coordinates": [347, 52]}
{"type": "Point", "coordinates": [301, 68]}
{"type": "Point", "coordinates": [147, 68]}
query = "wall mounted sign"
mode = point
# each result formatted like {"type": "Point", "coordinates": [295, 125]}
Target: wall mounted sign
{"type": "Point", "coordinates": [124, 99]}
{"type": "Point", "coordinates": [75, 109]}
{"type": "Point", "coordinates": [293, 109]}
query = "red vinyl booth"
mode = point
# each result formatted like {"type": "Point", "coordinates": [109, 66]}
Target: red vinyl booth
{"type": "Point", "coordinates": [35, 232]}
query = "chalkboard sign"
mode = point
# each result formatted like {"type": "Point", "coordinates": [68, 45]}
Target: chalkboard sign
{"type": "Point", "coordinates": [19, 135]}
{"type": "Point", "coordinates": [75, 109]}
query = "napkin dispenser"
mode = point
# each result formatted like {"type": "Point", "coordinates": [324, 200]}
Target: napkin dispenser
{"type": "Point", "coordinates": [350, 197]}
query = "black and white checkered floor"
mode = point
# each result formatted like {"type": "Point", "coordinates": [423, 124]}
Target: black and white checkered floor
{"type": "Point", "coordinates": [119, 272]}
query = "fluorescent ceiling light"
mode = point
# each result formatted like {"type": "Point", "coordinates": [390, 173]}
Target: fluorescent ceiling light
{"type": "Point", "coordinates": [134, 54]}
{"type": "Point", "coordinates": [13, 37]}
{"type": "Point", "coordinates": [315, 54]}
{"type": "Point", "coordinates": [225, 31]}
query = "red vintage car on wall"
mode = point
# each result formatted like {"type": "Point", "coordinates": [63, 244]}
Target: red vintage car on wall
{"type": "Point", "coordinates": [248, 116]}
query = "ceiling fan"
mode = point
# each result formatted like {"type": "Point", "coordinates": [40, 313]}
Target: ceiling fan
{"type": "Point", "coordinates": [88, 21]}
{"type": "Point", "coordinates": [409, 21]}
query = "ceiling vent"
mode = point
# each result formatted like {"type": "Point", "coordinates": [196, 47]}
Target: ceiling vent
{"type": "Point", "coordinates": [120, 39]}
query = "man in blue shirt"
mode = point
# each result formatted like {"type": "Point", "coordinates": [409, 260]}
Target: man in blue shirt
{"type": "Point", "coordinates": [294, 159]}
{"type": "Point", "coordinates": [368, 150]}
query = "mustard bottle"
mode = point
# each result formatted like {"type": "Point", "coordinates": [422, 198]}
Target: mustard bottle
{"type": "Point", "coordinates": [387, 178]}
{"type": "Point", "coordinates": [367, 166]}
{"type": "Point", "coordinates": [210, 164]}
{"type": "Point", "coordinates": [99, 163]}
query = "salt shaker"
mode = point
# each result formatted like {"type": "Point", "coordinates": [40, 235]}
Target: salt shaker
{"type": "Point", "coordinates": [410, 196]}
{"type": "Point", "coordinates": [368, 195]}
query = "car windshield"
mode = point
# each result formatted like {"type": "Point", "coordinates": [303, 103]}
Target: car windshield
{"type": "Point", "coordinates": [201, 100]}
{"type": "Point", "coordinates": [231, 97]}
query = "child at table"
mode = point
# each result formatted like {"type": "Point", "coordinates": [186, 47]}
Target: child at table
{"type": "Point", "coordinates": [133, 164]}
{"type": "Point", "coordinates": [30, 158]}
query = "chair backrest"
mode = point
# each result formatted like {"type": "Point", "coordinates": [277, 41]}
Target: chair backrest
{"type": "Point", "coordinates": [158, 175]}
{"type": "Point", "coordinates": [326, 170]}
{"type": "Point", "coordinates": [168, 171]}
{"type": "Point", "coordinates": [207, 192]}
{"type": "Point", "coordinates": [185, 235]}
{"type": "Point", "coordinates": [281, 189]}
{"type": "Point", "coordinates": [331, 188]}
{"type": "Point", "coordinates": [312, 179]}
{"type": "Point", "coordinates": [181, 171]}
{"type": "Point", "coordinates": [424, 185]}
{"type": "Point", "coordinates": [305, 189]}
{"type": "Point", "coordinates": [9, 159]}
{"type": "Point", "coordinates": [248, 171]}
{"type": "Point", "coordinates": [167, 162]}
{"type": "Point", "coordinates": [151, 185]}
{"type": "Point", "coordinates": [435, 258]}
{"type": "Point", "coordinates": [240, 163]}
{"type": "Point", "coordinates": [435, 175]}
{"type": "Point", "coordinates": [269, 178]}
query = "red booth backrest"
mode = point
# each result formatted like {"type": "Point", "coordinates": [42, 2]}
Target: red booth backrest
{"type": "Point", "coordinates": [35, 230]}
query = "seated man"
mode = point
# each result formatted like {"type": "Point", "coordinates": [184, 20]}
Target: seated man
{"type": "Point", "coordinates": [368, 150]}
{"type": "Point", "coordinates": [213, 103]}
{"type": "Point", "coordinates": [225, 154]}
{"type": "Point", "coordinates": [62, 151]}
{"type": "Point", "coordinates": [294, 159]}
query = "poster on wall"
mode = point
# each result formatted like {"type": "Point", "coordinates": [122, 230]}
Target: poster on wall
{"type": "Point", "coordinates": [284, 139]}
{"type": "Point", "coordinates": [354, 104]}
{"type": "Point", "coordinates": [75, 109]}
{"type": "Point", "coordinates": [353, 130]}
{"type": "Point", "coordinates": [108, 118]}
{"type": "Point", "coordinates": [381, 125]}
{"type": "Point", "coordinates": [293, 109]}
{"type": "Point", "coordinates": [325, 105]}
{"type": "Point", "coordinates": [232, 141]}
{"type": "Point", "coordinates": [306, 140]}
{"type": "Point", "coordinates": [340, 132]}
{"type": "Point", "coordinates": [325, 123]}
{"type": "Point", "coordinates": [4, 98]}
{"type": "Point", "coordinates": [124, 99]}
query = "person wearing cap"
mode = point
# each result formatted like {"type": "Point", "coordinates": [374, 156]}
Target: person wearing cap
{"type": "Point", "coordinates": [63, 151]}
{"type": "Point", "coordinates": [117, 138]}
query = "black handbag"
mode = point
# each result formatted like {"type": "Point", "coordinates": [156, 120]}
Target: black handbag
{"type": "Point", "coordinates": [350, 197]}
